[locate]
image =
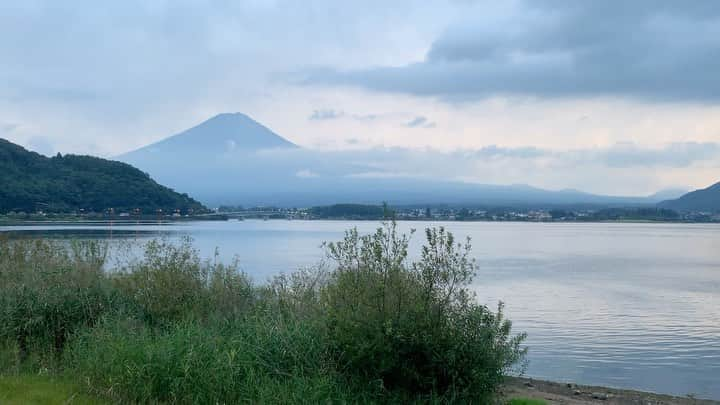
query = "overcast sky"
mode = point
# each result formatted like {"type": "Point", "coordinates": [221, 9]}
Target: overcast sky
{"type": "Point", "coordinates": [617, 97]}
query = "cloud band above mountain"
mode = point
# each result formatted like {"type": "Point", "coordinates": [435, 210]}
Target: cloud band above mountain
{"type": "Point", "coordinates": [650, 50]}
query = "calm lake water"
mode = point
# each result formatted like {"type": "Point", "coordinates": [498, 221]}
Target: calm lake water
{"type": "Point", "coordinates": [623, 305]}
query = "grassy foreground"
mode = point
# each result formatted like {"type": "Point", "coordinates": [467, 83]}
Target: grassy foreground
{"type": "Point", "coordinates": [47, 390]}
{"type": "Point", "coordinates": [42, 390]}
{"type": "Point", "coordinates": [370, 327]}
{"type": "Point", "coordinates": [526, 401]}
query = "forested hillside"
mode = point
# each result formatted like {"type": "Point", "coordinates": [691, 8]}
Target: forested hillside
{"type": "Point", "coordinates": [31, 182]}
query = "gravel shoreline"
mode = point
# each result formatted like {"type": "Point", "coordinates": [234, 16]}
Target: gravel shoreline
{"type": "Point", "coordinates": [573, 394]}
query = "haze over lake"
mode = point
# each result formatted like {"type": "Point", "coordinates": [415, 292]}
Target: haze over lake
{"type": "Point", "coordinates": [624, 304]}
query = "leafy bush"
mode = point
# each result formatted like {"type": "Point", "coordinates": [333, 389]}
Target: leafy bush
{"type": "Point", "coordinates": [171, 283]}
{"type": "Point", "coordinates": [231, 293]}
{"type": "Point", "coordinates": [296, 294]}
{"type": "Point", "coordinates": [415, 327]}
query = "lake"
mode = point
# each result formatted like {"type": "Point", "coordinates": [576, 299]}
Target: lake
{"type": "Point", "coordinates": [628, 305]}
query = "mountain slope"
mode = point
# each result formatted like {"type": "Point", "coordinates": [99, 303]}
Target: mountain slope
{"type": "Point", "coordinates": [668, 194]}
{"type": "Point", "coordinates": [31, 182]}
{"type": "Point", "coordinates": [220, 134]}
{"type": "Point", "coordinates": [707, 199]}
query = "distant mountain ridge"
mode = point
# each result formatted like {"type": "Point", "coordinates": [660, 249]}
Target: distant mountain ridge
{"type": "Point", "coordinates": [32, 182]}
{"type": "Point", "coordinates": [704, 200]}
{"type": "Point", "coordinates": [668, 194]}
{"type": "Point", "coordinates": [232, 160]}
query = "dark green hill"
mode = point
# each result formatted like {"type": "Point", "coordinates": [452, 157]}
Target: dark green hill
{"type": "Point", "coordinates": [30, 182]}
{"type": "Point", "coordinates": [707, 199]}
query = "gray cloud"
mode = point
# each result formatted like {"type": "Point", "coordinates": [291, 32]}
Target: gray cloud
{"type": "Point", "coordinates": [494, 151]}
{"type": "Point", "coordinates": [673, 155]}
{"type": "Point", "coordinates": [420, 122]}
{"type": "Point", "coordinates": [322, 115]}
{"type": "Point", "coordinates": [365, 117]}
{"type": "Point", "coordinates": [460, 162]}
{"type": "Point", "coordinates": [331, 114]}
{"type": "Point", "coordinates": [652, 50]}
{"type": "Point", "coordinates": [620, 155]}
{"type": "Point", "coordinates": [8, 127]}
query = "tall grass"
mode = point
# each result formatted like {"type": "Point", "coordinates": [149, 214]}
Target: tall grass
{"type": "Point", "coordinates": [369, 327]}
{"type": "Point", "coordinates": [192, 363]}
{"type": "Point", "coordinates": [49, 290]}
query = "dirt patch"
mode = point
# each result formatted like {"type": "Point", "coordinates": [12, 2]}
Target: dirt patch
{"type": "Point", "coordinates": [572, 394]}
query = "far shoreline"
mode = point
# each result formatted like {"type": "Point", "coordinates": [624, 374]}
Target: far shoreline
{"type": "Point", "coordinates": [5, 221]}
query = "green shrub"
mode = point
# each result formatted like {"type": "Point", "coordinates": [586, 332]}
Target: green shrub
{"type": "Point", "coordinates": [230, 292]}
{"type": "Point", "coordinates": [166, 285]}
{"type": "Point", "coordinates": [171, 283]}
{"type": "Point", "coordinates": [415, 328]}
{"type": "Point", "coordinates": [296, 294]}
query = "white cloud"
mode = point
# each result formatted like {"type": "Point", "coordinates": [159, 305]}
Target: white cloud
{"type": "Point", "coordinates": [306, 174]}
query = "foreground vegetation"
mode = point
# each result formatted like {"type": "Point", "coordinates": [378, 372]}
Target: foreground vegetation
{"type": "Point", "coordinates": [48, 390]}
{"type": "Point", "coordinates": [43, 389]}
{"type": "Point", "coordinates": [526, 401]}
{"type": "Point", "coordinates": [169, 327]}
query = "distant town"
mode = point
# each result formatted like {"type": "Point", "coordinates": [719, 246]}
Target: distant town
{"type": "Point", "coordinates": [378, 212]}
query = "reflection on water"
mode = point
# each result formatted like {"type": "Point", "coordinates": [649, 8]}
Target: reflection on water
{"type": "Point", "coordinates": [625, 305]}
